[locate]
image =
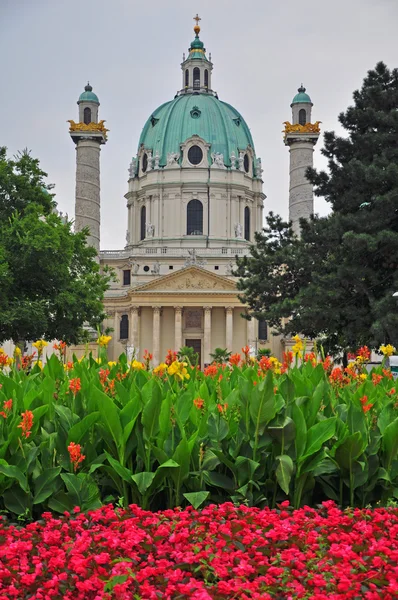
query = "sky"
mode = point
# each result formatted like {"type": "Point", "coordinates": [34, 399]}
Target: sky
{"type": "Point", "coordinates": [131, 51]}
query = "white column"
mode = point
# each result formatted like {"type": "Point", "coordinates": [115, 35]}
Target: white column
{"type": "Point", "coordinates": [207, 335]}
{"type": "Point", "coordinates": [229, 327]}
{"type": "Point", "coordinates": [156, 334]}
{"type": "Point", "coordinates": [251, 332]}
{"type": "Point", "coordinates": [134, 328]}
{"type": "Point", "coordinates": [177, 328]}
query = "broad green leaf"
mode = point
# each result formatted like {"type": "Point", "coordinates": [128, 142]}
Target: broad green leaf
{"type": "Point", "coordinates": [301, 430]}
{"type": "Point", "coordinates": [390, 442]}
{"type": "Point", "coordinates": [284, 471]}
{"type": "Point", "coordinates": [196, 498]}
{"type": "Point", "coordinates": [349, 450]}
{"type": "Point", "coordinates": [61, 502]}
{"type": "Point", "coordinates": [150, 415]}
{"type": "Point", "coordinates": [16, 500]}
{"type": "Point", "coordinates": [78, 431]}
{"type": "Point", "coordinates": [45, 484]}
{"type": "Point", "coordinates": [123, 472]}
{"type": "Point", "coordinates": [219, 480]}
{"type": "Point", "coordinates": [14, 473]}
{"type": "Point", "coordinates": [143, 480]}
{"type": "Point", "coordinates": [263, 406]}
{"type": "Point", "coordinates": [109, 416]}
{"type": "Point", "coordinates": [317, 435]}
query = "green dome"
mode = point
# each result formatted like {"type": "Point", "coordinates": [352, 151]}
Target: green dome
{"type": "Point", "coordinates": [88, 95]}
{"type": "Point", "coordinates": [301, 97]}
{"type": "Point", "coordinates": [216, 122]}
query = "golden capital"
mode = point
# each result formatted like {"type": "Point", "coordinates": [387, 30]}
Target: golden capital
{"type": "Point", "coordinates": [307, 128]}
{"type": "Point", "coordinates": [88, 127]}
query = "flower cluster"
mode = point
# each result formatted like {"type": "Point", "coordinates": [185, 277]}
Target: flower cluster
{"type": "Point", "coordinates": [298, 347]}
{"type": "Point", "coordinates": [26, 424]}
{"type": "Point", "coordinates": [75, 455]}
{"type": "Point", "coordinates": [5, 360]}
{"type": "Point", "coordinates": [388, 350]}
{"type": "Point", "coordinates": [104, 340]}
{"type": "Point", "coordinates": [179, 370]}
{"type": "Point", "coordinates": [221, 552]}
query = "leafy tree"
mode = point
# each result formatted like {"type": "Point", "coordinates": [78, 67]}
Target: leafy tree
{"type": "Point", "coordinates": [188, 354]}
{"type": "Point", "coordinates": [50, 281]}
{"type": "Point", "coordinates": [337, 281]}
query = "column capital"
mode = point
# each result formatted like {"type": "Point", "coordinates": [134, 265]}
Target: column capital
{"type": "Point", "coordinates": [178, 308]}
{"type": "Point", "coordinates": [157, 309]}
{"type": "Point", "coordinates": [229, 309]}
{"type": "Point", "coordinates": [207, 308]}
{"type": "Point", "coordinates": [110, 312]}
{"type": "Point", "coordinates": [135, 309]}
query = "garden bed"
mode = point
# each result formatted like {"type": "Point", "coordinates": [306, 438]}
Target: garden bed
{"type": "Point", "coordinates": [219, 552]}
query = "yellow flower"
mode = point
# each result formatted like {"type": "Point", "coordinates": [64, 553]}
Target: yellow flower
{"type": "Point", "coordinates": [111, 363]}
{"type": "Point", "coordinates": [388, 350]}
{"type": "Point", "coordinates": [98, 360]}
{"type": "Point", "coordinates": [136, 364]}
{"type": "Point", "coordinates": [39, 364]}
{"type": "Point", "coordinates": [179, 370]}
{"type": "Point", "coordinates": [17, 351]}
{"type": "Point", "coordinates": [40, 344]}
{"type": "Point", "coordinates": [363, 376]}
{"type": "Point", "coordinates": [104, 340]}
{"type": "Point", "coordinates": [2, 351]}
{"type": "Point", "coordinates": [9, 361]}
{"type": "Point", "coordinates": [160, 369]}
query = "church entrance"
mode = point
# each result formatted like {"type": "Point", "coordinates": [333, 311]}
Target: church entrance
{"type": "Point", "coordinates": [196, 345]}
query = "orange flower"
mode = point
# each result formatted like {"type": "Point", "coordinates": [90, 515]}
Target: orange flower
{"type": "Point", "coordinates": [76, 457]}
{"type": "Point", "coordinates": [26, 423]}
{"type": "Point", "coordinates": [327, 363]}
{"type": "Point", "coordinates": [211, 370]}
{"type": "Point", "coordinates": [171, 357]}
{"type": "Point", "coordinates": [288, 358]}
{"type": "Point", "coordinates": [387, 373]}
{"type": "Point", "coordinates": [376, 378]}
{"type": "Point", "coordinates": [7, 405]}
{"type": "Point", "coordinates": [235, 359]}
{"type": "Point", "coordinates": [222, 408]}
{"type": "Point", "coordinates": [364, 353]}
{"type": "Point", "coordinates": [310, 357]}
{"type": "Point", "coordinates": [75, 385]}
{"type": "Point", "coordinates": [365, 405]}
{"type": "Point", "coordinates": [199, 403]}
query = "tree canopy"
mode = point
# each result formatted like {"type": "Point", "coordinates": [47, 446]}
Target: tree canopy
{"type": "Point", "coordinates": [336, 282]}
{"type": "Point", "coordinates": [50, 281]}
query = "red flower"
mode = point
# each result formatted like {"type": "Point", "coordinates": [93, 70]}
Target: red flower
{"type": "Point", "coordinates": [222, 408]}
{"type": "Point", "coordinates": [76, 457]}
{"type": "Point", "coordinates": [75, 385]}
{"type": "Point", "coordinates": [26, 423]}
{"type": "Point", "coordinates": [7, 405]}
{"type": "Point", "coordinates": [211, 370]}
{"type": "Point", "coordinates": [376, 378]}
{"type": "Point", "coordinates": [235, 359]}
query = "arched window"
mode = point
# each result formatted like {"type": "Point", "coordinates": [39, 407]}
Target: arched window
{"type": "Point", "coordinates": [143, 223]}
{"type": "Point", "coordinates": [186, 78]}
{"type": "Point", "coordinates": [302, 116]}
{"type": "Point", "coordinates": [206, 78]}
{"type": "Point", "coordinates": [247, 223]}
{"type": "Point", "coordinates": [87, 115]}
{"type": "Point", "coordinates": [196, 78]}
{"type": "Point", "coordinates": [124, 327]}
{"type": "Point", "coordinates": [262, 330]}
{"type": "Point", "coordinates": [195, 218]}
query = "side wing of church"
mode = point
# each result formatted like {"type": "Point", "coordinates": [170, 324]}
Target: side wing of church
{"type": "Point", "coordinates": [194, 202]}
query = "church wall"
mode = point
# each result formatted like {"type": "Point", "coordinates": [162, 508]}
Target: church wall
{"type": "Point", "coordinates": [146, 327]}
{"type": "Point", "coordinates": [240, 332]}
{"type": "Point", "coordinates": [217, 328]}
{"type": "Point", "coordinates": [167, 332]}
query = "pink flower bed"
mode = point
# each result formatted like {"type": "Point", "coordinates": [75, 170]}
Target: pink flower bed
{"type": "Point", "coordinates": [219, 552]}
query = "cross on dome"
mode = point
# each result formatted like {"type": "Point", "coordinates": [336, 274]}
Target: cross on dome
{"type": "Point", "coordinates": [197, 28]}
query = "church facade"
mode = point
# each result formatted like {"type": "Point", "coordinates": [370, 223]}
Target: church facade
{"type": "Point", "coordinates": [194, 202]}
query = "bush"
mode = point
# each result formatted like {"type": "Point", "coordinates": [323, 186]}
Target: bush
{"type": "Point", "coordinates": [251, 432]}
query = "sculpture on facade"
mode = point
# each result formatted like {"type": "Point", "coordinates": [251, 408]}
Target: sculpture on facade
{"type": "Point", "coordinates": [194, 259]}
{"type": "Point", "coordinates": [232, 158]}
{"type": "Point", "coordinates": [149, 155]}
{"type": "Point", "coordinates": [230, 267]}
{"type": "Point", "coordinates": [150, 230]}
{"type": "Point", "coordinates": [238, 230]}
{"type": "Point", "coordinates": [172, 158]}
{"type": "Point", "coordinates": [241, 161]}
{"type": "Point", "coordinates": [127, 236]}
{"type": "Point", "coordinates": [218, 160]}
{"type": "Point", "coordinates": [156, 268]}
{"type": "Point", "coordinates": [259, 168]}
{"type": "Point", "coordinates": [132, 168]}
{"type": "Point", "coordinates": [135, 267]}
{"type": "Point", "coordinates": [88, 127]}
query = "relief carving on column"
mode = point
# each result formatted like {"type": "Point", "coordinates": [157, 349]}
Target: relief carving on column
{"type": "Point", "coordinates": [110, 312]}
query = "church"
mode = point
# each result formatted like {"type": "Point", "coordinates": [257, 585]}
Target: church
{"type": "Point", "coordinates": [194, 202]}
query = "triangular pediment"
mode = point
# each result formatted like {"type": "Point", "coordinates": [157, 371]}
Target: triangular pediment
{"type": "Point", "coordinates": [190, 279]}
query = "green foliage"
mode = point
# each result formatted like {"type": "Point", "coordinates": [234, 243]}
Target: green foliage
{"type": "Point", "coordinates": [336, 282]}
{"type": "Point", "coordinates": [252, 439]}
{"type": "Point", "coordinates": [188, 354]}
{"type": "Point", "coordinates": [220, 355]}
{"type": "Point", "coordinates": [50, 283]}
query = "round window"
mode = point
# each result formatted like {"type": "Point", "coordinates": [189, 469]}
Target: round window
{"type": "Point", "coordinates": [195, 155]}
{"type": "Point", "coordinates": [144, 163]}
{"type": "Point", "coordinates": [146, 268]}
{"type": "Point", "coordinates": [246, 163]}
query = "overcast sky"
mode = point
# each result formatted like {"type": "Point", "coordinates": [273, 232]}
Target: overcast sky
{"type": "Point", "coordinates": [131, 52]}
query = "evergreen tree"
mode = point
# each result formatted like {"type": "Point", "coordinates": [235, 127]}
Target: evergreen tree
{"type": "Point", "coordinates": [337, 281]}
{"type": "Point", "coordinates": [50, 282]}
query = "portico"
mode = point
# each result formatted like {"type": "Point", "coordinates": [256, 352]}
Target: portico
{"type": "Point", "coordinates": [190, 307]}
